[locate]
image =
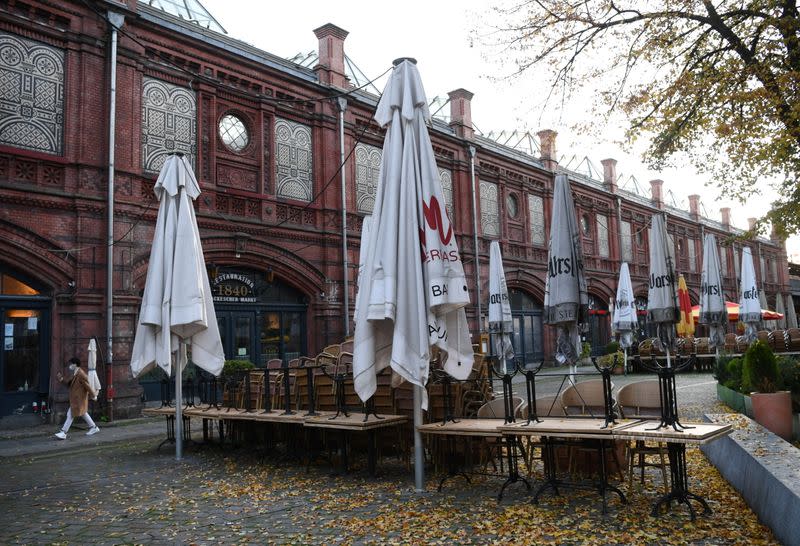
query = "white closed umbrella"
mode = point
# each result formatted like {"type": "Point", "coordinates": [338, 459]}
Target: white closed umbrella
{"type": "Point", "coordinates": [713, 311]}
{"type": "Point", "coordinates": [624, 321]}
{"type": "Point", "coordinates": [177, 306]}
{"type": "Point", "coordinates": [501, 324]}
{"type": "Point", "coordinates": [749, 302]}
{"type": "Point", "coordinates": [94, 381]}
{"type": "Point", "coordinates": [413, 289]}
{"type": "Point", "coordinates": [663, 309]}
{"type": "Point", "coordinates": [566, 301]}
{"type": "Point", "coordinates": [366, 228]}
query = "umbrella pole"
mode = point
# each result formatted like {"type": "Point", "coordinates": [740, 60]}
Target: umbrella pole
{"type": "Point", "coordinates": [419, 457]}
{"type": "Point", "coordinates": [666, 350]}
{"type": "Point", "coordinates": [625, 361]}
{"type": "Point", "coordinates": [179, 402]}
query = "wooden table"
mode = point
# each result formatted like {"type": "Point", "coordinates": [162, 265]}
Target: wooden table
{"type": "Point", "coordinates": [482, 428]}
{"type": "Point", "coordinates": [689, 433]}
{"type": "Point", "coordinates": [169, 413]}
{"type": "Point", "coordinates": [347, 423]}
{"type": "Point", "coordinates": [235, 414]}
{"type": "Point", "coordinates": [583, 428]}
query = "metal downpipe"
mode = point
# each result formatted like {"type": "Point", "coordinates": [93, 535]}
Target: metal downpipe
{"type": "Point", "coordinates": [116, 20]}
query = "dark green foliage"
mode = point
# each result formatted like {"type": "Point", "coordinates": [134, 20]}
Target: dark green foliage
{"type": "Point", "coordinates": [789, 368]}
{"type": "Point", "coordinates": [760, 370]}
{"type": "Point", "coordinates": [612, 348]}
{"type": "Point", "coordinates": [733, 374]}
{"type": "Point", "coordinates": [234, 367]}
{"type": "Point", "coordinates": [721, 369]}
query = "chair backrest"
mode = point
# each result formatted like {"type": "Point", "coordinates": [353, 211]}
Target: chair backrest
{"type": "Point", "coordinates": [549, 406]}
{"type": "Point", "coordinates": [495, 409]}
{"type": "Point", "coordinates": [274, 363]}
{"type": "Point", "coordinates": [584, 398]}
{"type": "Point", "coordinates": [640, 399]}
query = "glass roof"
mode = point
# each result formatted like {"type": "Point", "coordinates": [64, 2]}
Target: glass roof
{"type": "Point", "coordinates": [189, 10]}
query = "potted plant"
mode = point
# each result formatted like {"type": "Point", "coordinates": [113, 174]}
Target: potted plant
{"type": "Point", "coordinates": [771, 407]}
{"type": "Point", "coordinates": [586, 352]}
{"type": "Point", "coordinates": [236, 367]}
{"type": "Point", "coordinates": [608, 360]}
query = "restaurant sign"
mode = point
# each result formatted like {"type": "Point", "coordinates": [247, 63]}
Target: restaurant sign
{"type": "Point", "coordinates": [233, 288]}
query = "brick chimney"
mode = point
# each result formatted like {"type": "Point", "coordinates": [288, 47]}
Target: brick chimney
{"type": "Point", "coordinates": [776, 237]}
{"type": "Point", "coordinates": [461, 113]}
{"type": "Point", "coordinates": [725, 212]}
{"type": "Point", "coordinates": [656, 194]}
{"type": "Point", "coordinates": [610, 174]}
{"type": "Point", "coordinates": [330, 67]}
{"type": "Point", "coordinates": [694, 206]}
{"type": "Point", "coordinates": [547, 144]}
{"type": "Point", "coordinates": [751, 223]}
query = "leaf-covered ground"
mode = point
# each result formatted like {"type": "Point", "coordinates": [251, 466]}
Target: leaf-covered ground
{"type": "Point", "coordinates": [129, 494]}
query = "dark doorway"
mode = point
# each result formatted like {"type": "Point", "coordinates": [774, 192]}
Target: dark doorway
{"type": "Point", "coordinates": [528, 336]}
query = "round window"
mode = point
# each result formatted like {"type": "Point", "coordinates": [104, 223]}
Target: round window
{"type": "Point", "coordinates": [585, 224]}
{"type": "Point", "coordinates": [512, 205]}
{"type": "Point", "coordinates": [233, 133]}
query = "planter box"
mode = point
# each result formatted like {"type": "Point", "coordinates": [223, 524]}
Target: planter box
{"type": "Point", "coordinates": [737, 401]}
{"type": "Point", "coordinates": [743, 404]}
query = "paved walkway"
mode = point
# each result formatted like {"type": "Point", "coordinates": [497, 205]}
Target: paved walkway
{"type": "Point", "coordinates": [115, 488]}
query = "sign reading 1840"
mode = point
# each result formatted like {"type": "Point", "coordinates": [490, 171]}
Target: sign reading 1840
{"type": "Point", "coordinates": [233, 288]}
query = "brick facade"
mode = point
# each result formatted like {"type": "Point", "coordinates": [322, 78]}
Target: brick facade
{"type": "Point", "coordinates": [53, 209]}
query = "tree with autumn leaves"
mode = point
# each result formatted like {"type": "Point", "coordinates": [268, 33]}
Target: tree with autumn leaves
{"type": "Point", "coordinates": [715, 82]}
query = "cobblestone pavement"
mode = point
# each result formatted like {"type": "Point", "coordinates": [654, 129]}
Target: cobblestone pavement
{"type": "Point", "coordinates": [122, 491]}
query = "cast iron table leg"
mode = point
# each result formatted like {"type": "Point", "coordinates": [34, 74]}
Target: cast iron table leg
{"type": "Point", "coordinates": [550, 479]}
{"type": "Point", "coordinates": [513, 467]}
{"type": "Point", "coordinates": [453, 468]}
{"type": "Point", "coordinates": [604, 486]}
{"type": "Point", "coordinates": [680, 483]}
{"type": "Point", "coordinates": [170, 431]}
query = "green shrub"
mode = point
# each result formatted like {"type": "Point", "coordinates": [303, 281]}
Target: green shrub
{"type": "Point", "coordinates": [721, 369]}
{"type": "Point", "coordinates": [586, 349]}
{"type": "Point", "coordinates": [234, 367]}
{"type": "Point", "coordinates": [760, 370]}
{"type": "Point", "coordinates": [733, 374]}
{"type": "Point", "coordinates": [789, 369]}
{"type": "Point", "coordinates": [607, 360]}
{"type": "Point", "coordinates": [612, 348]}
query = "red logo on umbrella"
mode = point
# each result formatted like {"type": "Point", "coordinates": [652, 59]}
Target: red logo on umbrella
{"type": "Point", "coordinates": [434, 218]}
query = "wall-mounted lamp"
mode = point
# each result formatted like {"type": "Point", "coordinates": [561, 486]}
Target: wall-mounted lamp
{"type": "Point", "coordinates": [270, 276]}
{"type": "Point", "coordinates": [241, 242]}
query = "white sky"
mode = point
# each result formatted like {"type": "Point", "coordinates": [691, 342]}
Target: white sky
{"type": "Point", "coordinates": [437, 34]}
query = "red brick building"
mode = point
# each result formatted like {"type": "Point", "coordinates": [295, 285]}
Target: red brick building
{"type": "Point", "coordinates": [264, 136]}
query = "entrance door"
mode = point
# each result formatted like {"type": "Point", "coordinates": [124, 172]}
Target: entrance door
{"type": "Point", "coordinates": [527, 338]}
{"type": "Point", "coordinates": [528, 332]}
{"type": "Point", "coordinates": [24, 372]}
{"type": "Point", "coordinates": [237, 329]}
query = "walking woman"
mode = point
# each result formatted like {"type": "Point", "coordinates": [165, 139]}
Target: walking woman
{"type": "Point", "coordinates": [79, 391]}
